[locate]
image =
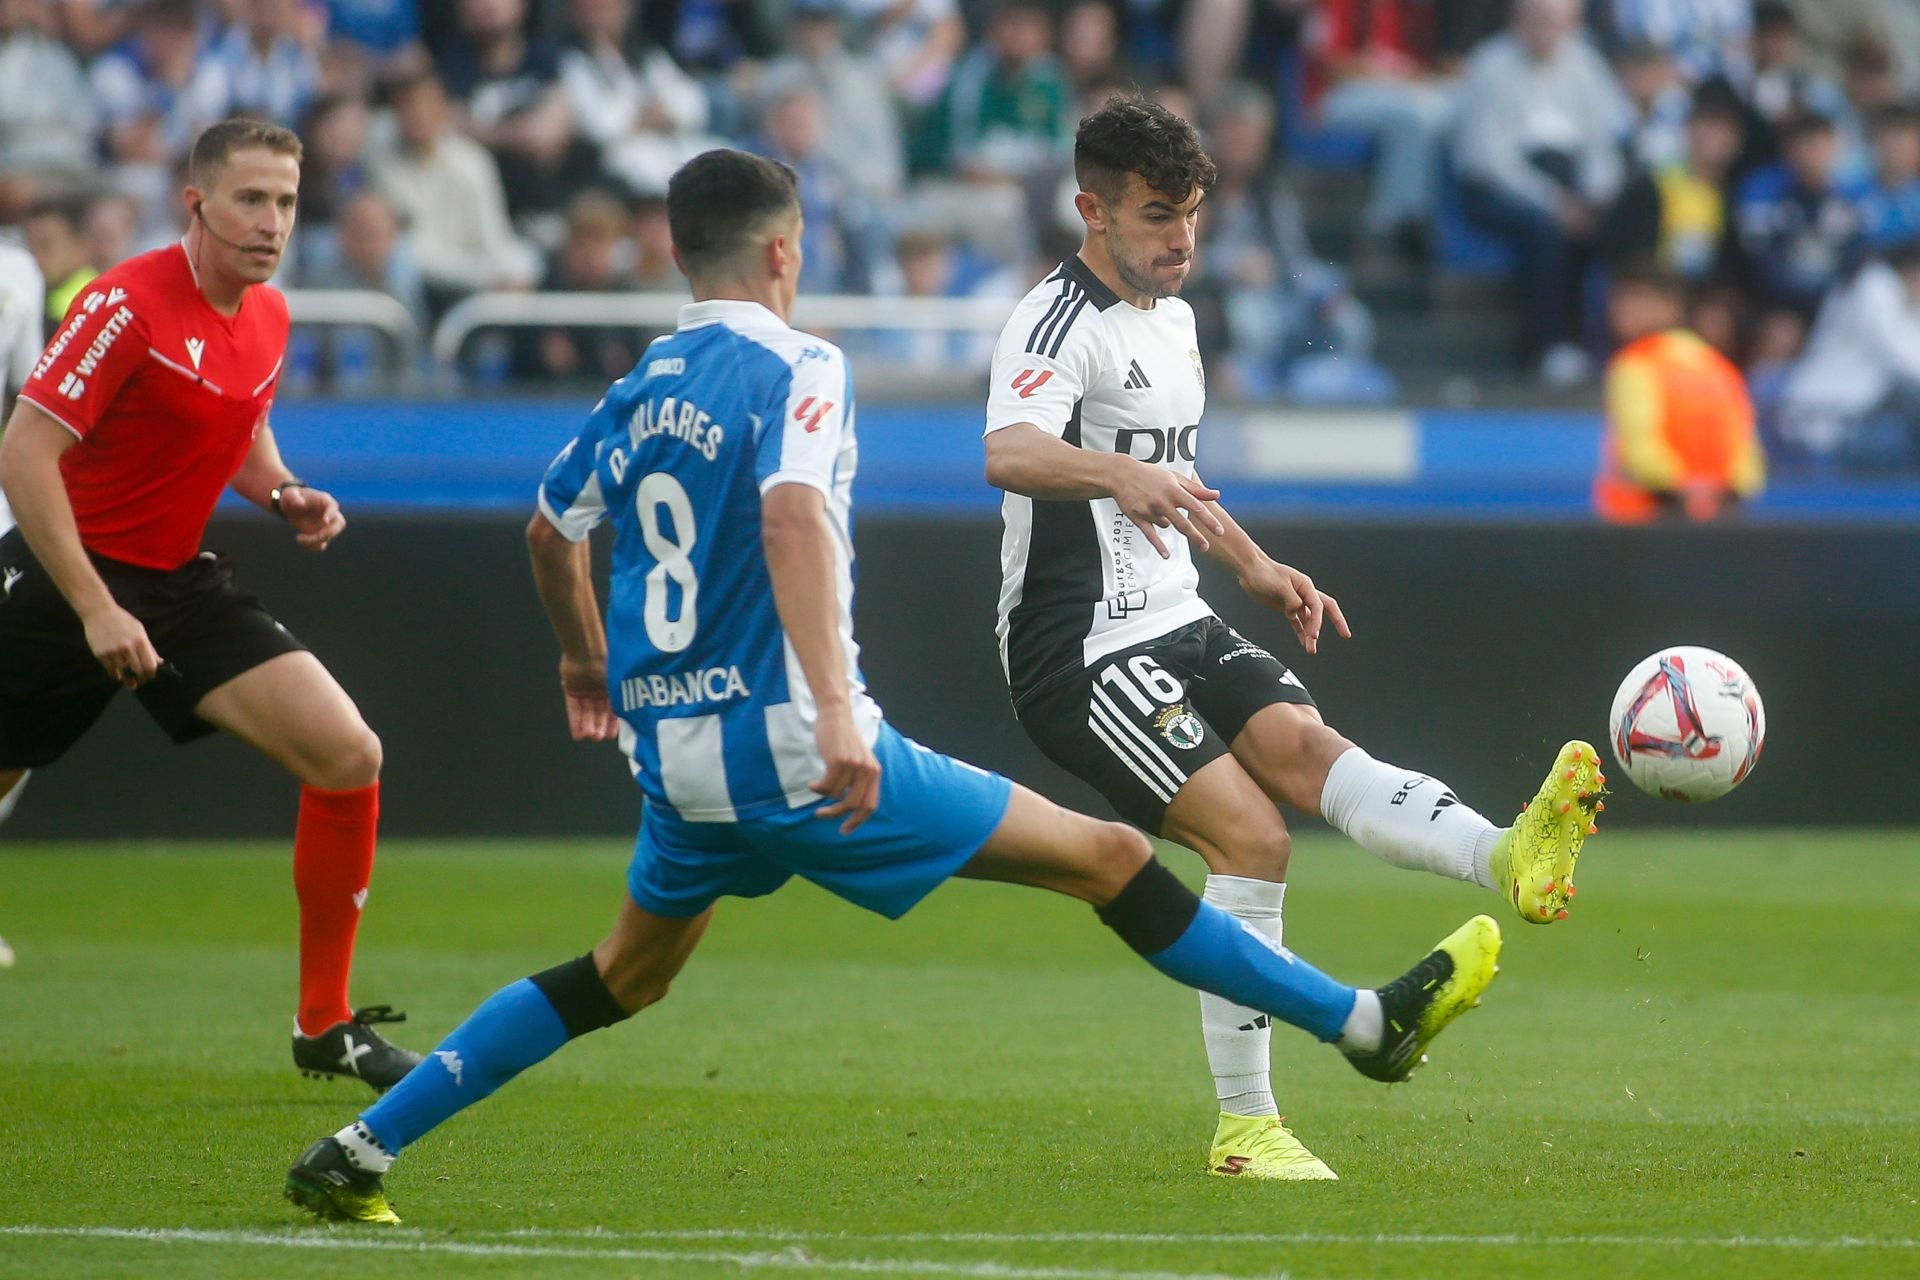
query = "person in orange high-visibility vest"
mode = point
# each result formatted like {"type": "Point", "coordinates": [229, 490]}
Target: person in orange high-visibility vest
{"type": "Point", "coordinates": [1679, 435]}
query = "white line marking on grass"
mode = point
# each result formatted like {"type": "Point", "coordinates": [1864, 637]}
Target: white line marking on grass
{"type": "Point", "coordinates": [790, 1259]}
{"type": "Point", "coordinates": [1412, 1238]}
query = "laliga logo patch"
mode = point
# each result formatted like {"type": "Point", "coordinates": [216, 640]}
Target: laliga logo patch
{"type": "Point", "coordinates": [1180, 727]}
{"type": "Point", "coordinates": [1199, 370]}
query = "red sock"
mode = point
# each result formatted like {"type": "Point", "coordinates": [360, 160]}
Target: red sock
{"type": "Point", "coordinates": [332, 864]}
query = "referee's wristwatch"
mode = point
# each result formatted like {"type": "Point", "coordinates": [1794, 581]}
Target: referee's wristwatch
{"type": "Point", "coordinates": [279, 489]}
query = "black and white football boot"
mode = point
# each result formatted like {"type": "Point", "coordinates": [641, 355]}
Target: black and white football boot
{"type": "Point", "coordinates": [355, 1050]}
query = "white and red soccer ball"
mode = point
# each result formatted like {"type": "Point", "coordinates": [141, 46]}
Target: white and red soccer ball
{"type": "Point", "coordinates": [1688, 724]}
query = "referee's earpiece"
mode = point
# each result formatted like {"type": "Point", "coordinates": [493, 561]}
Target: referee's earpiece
{"type": "Point", "coordinates": [199, 207]}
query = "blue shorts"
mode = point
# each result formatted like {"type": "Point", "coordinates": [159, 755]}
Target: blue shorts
{"type": "Point", "coordinates": [935, 813]}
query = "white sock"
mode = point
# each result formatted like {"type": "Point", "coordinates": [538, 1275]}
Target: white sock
{"type": "Point", "coordinates": [1365, 1025]}
{"type": "Point", "coordinates": [1407, 818]}
{"type": "Point", "coordinates": [1238, 1038]}
{"type": "Point", "coordinates": [363, 1149]}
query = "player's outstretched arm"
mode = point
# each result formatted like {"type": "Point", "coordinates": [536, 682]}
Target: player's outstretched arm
{"type": "Point", "coordinates": [1027, 460]}
{"type": "Point", "coordinates": [563, 575]}
{"type": "Point", "coordinates": [313, 513]}
{"type": "Point", "coordinates": [1280, 587]}
{"type": "Point", "coordinates": [30, 473]}
{"type": "Point", "coordinates": [799, 547]}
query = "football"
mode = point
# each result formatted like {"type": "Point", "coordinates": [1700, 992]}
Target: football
{"type": "Point", "coordinates": [1688, 724]}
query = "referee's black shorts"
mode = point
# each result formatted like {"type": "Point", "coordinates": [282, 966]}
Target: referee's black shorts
{"type": "Point", "coordinates": [1138, 723]}
{"type": "Point", "coordinates": [206, 630]}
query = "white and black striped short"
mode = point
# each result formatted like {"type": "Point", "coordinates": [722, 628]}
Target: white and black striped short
{"type": "Point", "coordinates": [1138, 723]}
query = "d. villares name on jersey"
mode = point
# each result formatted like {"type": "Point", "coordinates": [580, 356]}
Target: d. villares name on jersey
{"type": "Point", "coordinates": [1078, 578]}
{"type": "Point", "coordinates": [715, 714]}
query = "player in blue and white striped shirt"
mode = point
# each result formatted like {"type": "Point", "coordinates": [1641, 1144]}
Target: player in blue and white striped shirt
{"type": "Point", "coordinates": [725, 463]}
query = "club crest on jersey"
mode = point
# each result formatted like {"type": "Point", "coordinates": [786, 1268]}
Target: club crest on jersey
{"type": "Point", "coordinates": [1028, 381]}
{"type": "Point", "coordinates": [1181, 727]}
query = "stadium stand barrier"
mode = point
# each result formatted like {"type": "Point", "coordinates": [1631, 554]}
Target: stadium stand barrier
{"type": "Point", "coordinates": [623, 310]}
{"type": "Point", "coordinates": [364, 309]}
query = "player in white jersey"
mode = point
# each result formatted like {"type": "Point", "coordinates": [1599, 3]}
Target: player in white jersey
{"type": "Point", "coordinates": [725, 464]}
{"type": "Point", "coordinates": [1119, 670]}
{"type": "Point", "coordinates": [23, 304]}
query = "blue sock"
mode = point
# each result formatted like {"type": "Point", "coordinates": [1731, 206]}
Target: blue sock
{"type": "Point", "coordinates": [514, 1028]}
{"type": "Point", "coordinates": [1193, 942]}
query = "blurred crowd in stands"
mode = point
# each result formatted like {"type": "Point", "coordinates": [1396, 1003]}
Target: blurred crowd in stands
{"type": "Point", "coordinates": [1764, 152]}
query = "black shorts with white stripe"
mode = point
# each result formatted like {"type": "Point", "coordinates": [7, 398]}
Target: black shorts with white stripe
{"type": "Point", "coordinates": [1138, 723]}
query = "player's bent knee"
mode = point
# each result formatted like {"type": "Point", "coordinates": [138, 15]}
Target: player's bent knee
{"type": "Point", "coordinates": [355, 761]}
{"type": "Point", "coordinates": [1259, 854]}
{"type": "Point", "coordinates": [1122, 851]}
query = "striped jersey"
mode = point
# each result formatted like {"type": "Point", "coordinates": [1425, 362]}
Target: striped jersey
{"type": "Point", "coordinates": [715, 714]}
{"type": "Point", "coordinates": [1078, 578]}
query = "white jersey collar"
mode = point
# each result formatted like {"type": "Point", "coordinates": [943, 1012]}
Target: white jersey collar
{"type": "Point", "coordinates": [735, 312]}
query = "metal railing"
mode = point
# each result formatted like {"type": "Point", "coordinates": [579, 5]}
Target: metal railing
{"type": "Point", "coordinates": [442, 347]}
{"type": "Point", "coordinates": [662, 311]}
{"type": "Point", "coordinates": [362, 309]}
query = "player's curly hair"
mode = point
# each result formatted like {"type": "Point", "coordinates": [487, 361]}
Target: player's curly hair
{"type": "Point", "coordinates": [720, 201]}
{"type": "Point", "coordinates": [1132, 135]}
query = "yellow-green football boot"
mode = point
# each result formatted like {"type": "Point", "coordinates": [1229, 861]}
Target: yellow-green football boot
{"type": "Point", "coordinates": [328, 1184]}
{"type": "Point", "coordinates": [1417, 1006]}
{"type": "Point", "coordinates": [1263, 1147]}
{"type": "Point", "coordinates": [1532, 863]}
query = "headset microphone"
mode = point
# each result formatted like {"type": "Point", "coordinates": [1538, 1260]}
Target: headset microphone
{"type": "Point", "coordinates": [198, 212]}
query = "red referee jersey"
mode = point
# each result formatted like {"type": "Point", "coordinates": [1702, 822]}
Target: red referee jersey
{"type": "Point", "coordinates": [165, 395]}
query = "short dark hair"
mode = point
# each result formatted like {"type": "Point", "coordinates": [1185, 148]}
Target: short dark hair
{"type": "Point", "coordinates": [217, 143]}
{"type": "Point", "coordinates": [1774, 15]}
{"type": "Point", "coordinates": [720, 200]}
{"type": "Point", "coordinates": [1904, 255]}
{"type": "Point", "coordinates": [1716, 97]}
{"type": "Point", "coordinates": [1650, 275]}
{"type": "Point", "coordinates": [1805, 123]}
{"type": "Point", "coordinates": [1897, 115]}
{"type": "Point", "coordinates": [68, 207]}
{"type": "Point", "coordinates": [1132, 135]}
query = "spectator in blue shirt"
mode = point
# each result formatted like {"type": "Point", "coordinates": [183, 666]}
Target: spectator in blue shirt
{"type": "Point", "coordinates": [1705, 37]}
{"type": "Point", "coordinates": [1799, 225]}
{"type": "Point", "coordinates": [335, 166]}
{"type": "Point", "coordinates": [838, 235]}
{"type": "Point", "coordinates": [1893, 208]}
{"type": "Point", "coordinates": [155, 93]}
{"type": "Point", "coordinates": [384, 28]}
{"type": "Point", "coordinates": [506, 84]}
{"type": "Point", "coordinates": [271, 73]}
{"type": "Point", "coordinates": [366, 247]}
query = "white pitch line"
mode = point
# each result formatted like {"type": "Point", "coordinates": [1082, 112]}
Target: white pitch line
{"type": "Point", "coordinates": [1411, 1238]}
{"type": "Point", "coordinates": [791, 1259]}
{"type": "Point", "coordinates": [408, 1239]}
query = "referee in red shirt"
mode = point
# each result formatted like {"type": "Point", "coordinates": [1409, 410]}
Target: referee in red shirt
{"type": "Point", "coordinates": [152, 398]}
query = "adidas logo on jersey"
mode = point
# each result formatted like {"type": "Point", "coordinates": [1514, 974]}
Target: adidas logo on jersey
{"type": "Point", "coordinates": [1136, 377]}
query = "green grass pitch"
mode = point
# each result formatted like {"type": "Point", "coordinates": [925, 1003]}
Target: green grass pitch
{"type": "Point", "coordinates": [1712, 1069]}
